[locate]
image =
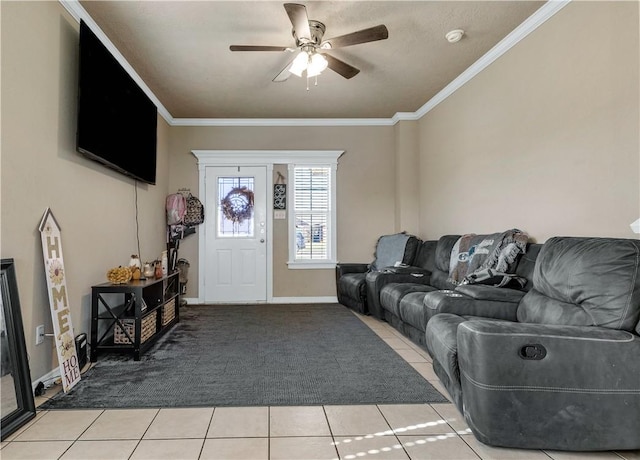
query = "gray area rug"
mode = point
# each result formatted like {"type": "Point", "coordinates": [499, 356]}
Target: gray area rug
{"type": "Point", "coordinates": [256, 355]}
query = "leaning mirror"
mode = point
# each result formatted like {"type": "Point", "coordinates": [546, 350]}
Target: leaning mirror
{"type": "Point", "coordinates": [16, 397]}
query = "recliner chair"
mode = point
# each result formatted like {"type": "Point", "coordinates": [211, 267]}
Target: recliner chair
{"type": "Point", "coordinates": [350, 277]}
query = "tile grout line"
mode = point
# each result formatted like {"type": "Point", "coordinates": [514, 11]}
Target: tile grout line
{"type": "Point", "coordinates": [213, 412]}
{"type": "Point", "coordinates": [333, 438]}
{"type": "Point", "coordinates": [268, 432]}
{"type": "Point", "coordinates": [13, 436]}
{"type": "Point", "coordinates": [395, 435]}
{"type": "Point", "coordinates": [469, 445]}
{"type": "Point", "coordinates": [139, 441]}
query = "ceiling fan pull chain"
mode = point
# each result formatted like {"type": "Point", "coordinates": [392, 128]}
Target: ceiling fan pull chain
{"type": "Point", "coordinates": [316, 81]}
{"type": "Point", "coordinates": [307, 83]}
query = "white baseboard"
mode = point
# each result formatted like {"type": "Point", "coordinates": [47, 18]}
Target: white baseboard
{"type": "Point", "coordinates": [47, 379]}
{"type": "Point", "coordinates": [327, 299]}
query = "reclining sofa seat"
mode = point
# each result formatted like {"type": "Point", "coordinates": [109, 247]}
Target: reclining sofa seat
{"type": "Point", "coordinates": [419, 273]}
{"type": "Point", "coordinates": [392, 293]}
{"type": "Point", "coordinates": [485, 300]}
{"type": "Point", "coordinates": [350, 277]}
{"type": "Point", "coordinates": [566, 374]}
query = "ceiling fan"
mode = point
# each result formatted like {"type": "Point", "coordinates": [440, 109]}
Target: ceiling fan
{"type": "Point", "coordinates": [312, 56]}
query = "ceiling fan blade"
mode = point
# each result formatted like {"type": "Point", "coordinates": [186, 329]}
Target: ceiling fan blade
{"type": "Point", "coordinates": [341, 67]}
{"type": "Point", "coordinates": [257, 48]}
{"type": "Point", "coordinates": [371, 34]}
{"type": "Point", "coordinates": [299, 19]}
{"type": "Point", "coordinates": [284, 74]}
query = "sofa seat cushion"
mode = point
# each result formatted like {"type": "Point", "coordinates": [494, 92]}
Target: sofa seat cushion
{"type": "Point", "coordinates": [442, 344]}
{"type": "Point", "coordinates": [392, 293]}
{"type": "Point", "coordinates": [585, 282]}
{"type": "Point", "coordinates": [446, 301]}
{"type": "Point", "coordinates": [353, 285]}
{"type": "Point", "coordinates": [411, 310]}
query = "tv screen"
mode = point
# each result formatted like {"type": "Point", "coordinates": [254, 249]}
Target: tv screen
{"type": "Point", "coordinates": [117, 122]}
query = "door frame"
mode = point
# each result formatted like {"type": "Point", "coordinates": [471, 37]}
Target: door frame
{"type": "Point", "coordinates": [265, 158]}
{"type": "Point", "coordinates": [236, 249]}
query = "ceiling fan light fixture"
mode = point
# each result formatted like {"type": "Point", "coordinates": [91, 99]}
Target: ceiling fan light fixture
{"type": "Point", "coordinates": [299, 64]}
{"type": "Point", "coordinates": [308, 35]}
{"type": "Point", "coordinates": [317, 63]}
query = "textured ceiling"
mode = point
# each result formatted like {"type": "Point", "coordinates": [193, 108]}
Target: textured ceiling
{"type": "Point", "coordinates": [181, 50]}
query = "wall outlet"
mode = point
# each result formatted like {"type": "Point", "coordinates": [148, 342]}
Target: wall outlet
{"type": "Point", "coordinates": [39, 334]}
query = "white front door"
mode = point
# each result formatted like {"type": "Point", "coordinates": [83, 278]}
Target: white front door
{"type": "Point", "coordinates": [236, 234]}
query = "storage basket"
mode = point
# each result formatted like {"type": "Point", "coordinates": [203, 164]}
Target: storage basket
{"type": "Point", "coordinates": [148, 327]}
{"type": "Point", "coordinates": [168, 312]}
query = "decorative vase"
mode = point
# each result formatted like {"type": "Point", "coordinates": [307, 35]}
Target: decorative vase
{"type": "Point", "coordinates": [158, 269]}
{"type": "Point", "coordinates": [148, 271]}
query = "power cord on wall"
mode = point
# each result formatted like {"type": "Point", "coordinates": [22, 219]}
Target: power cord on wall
{"type": "Point", "coordinates": [135, 185]}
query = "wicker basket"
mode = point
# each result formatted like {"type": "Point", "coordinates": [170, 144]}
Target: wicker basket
{"type": "Point", "coordinates": [168, 312]}
{"type": "Point", "coordinates": [148, 329]}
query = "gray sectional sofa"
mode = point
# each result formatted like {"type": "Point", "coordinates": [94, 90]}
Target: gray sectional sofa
{"type": "Point", "coordinates": [553, 363]}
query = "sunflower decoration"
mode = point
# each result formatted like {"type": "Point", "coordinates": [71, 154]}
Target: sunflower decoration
{"type": "Point", "coordinates": [67, 347]}
{"type": "Point", "coordinates": [237, 206]}
{"type": "Point", "coordinates": [56, 272]}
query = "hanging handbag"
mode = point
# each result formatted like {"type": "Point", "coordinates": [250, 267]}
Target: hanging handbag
{"type": "Point", "coordinates": [195, 212]}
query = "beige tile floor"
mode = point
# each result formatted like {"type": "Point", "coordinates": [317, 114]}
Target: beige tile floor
{"type": "Point", "coordinates": [374, 432]}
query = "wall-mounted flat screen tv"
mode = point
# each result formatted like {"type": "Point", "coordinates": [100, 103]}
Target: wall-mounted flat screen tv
{"type": "Point", "coordinates": [117, 122]}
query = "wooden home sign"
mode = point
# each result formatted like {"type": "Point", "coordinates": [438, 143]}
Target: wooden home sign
{"type": "Point", "coordinates": [58, 300]}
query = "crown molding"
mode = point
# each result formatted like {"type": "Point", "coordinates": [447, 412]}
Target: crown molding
{"type": "Point", "coordinates": [546, 11]}
{"type": "Point", "coordinates": [254, 157]}
{"type": "Point", "coordinates": [282, 122]}
{"type": "Point", "coordinates": [534, 21]}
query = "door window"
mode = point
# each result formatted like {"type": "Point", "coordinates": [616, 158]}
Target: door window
{"type": "Point", "coordinates": [235, 207]}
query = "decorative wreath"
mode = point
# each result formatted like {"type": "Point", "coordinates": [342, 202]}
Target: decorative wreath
{"type": "Point", "coordinates": [237, 206]}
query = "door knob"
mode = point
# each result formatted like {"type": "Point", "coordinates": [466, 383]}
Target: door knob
{"type": "Point", "coordinates": [262, 240]}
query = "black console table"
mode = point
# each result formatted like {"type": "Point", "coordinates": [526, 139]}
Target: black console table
{"type": "Point", "coordinates": [130, 317]}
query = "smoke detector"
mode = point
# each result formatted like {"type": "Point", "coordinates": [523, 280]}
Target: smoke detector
{"type": "Point", "coordinates": [454, 36]}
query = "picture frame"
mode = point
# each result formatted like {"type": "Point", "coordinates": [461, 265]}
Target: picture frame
{"type": "Point", "coordinates": [17, 401]}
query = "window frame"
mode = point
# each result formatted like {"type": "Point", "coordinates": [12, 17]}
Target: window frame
{"type": "Point", "coordinates": [331, 260]}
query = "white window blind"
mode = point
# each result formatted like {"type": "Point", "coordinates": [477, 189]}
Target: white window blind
{"type": "Point", "coordinates": [312, 214]}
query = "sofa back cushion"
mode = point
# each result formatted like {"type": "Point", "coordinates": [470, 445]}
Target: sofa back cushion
{"type": "Point", "coordinates": [390, 249]}
{"type": "Point", "coordinates": [443, 251]}
{"type": "Point", "coordinates": [441, 281]}
{"type": "Point", "coordinates": [585, 282]}
{"type": "Point", "coordinates": [426, 255]}
{"type": "Point", "coordinates": [527, 263]}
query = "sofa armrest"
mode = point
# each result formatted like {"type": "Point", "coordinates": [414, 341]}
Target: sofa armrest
{"type": "Point", "coordinates": [554, 383]}
{"type": "Point", "coordinates": [498, 294]}
{"type": "Point", "coordinates": [457, 303]}
{"type": "Point", "coordinates": [344, 268]}
{"type": "Point", "coordinates": [416, 272]}
{"type": "Point", "coordinates": [377, 280]}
